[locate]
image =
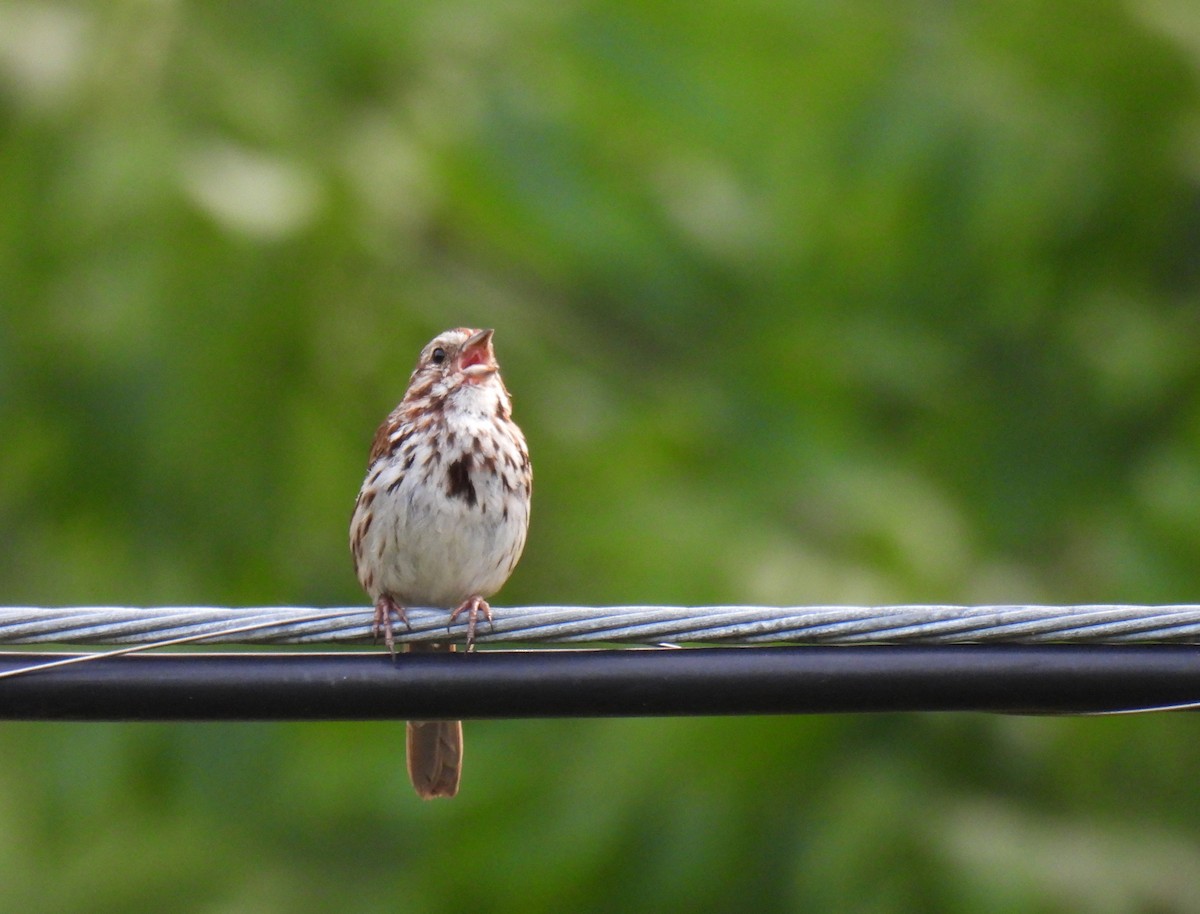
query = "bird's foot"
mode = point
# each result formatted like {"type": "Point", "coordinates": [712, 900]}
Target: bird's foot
{"type": "Point", "coordinates": [474, 607]}
{"type": "Point", "coordinates": [385, 608]}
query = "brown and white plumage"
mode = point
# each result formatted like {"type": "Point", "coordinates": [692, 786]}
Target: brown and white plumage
{"type": "Point", "coordinates": [441, 518]}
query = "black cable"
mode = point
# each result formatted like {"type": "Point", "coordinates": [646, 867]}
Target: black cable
{"type": "Point", "coordinates": [1057, 679]}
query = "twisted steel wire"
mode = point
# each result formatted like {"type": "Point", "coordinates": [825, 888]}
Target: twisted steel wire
{"type": "Point", "coordinates": [726, 625]}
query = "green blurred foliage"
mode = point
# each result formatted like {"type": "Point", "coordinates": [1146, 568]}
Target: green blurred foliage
{"type": "Point", "coordinates": [800, 302]}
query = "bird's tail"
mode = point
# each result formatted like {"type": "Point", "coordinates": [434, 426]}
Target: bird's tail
{"type": "Point", "coordinates": [435, 748]}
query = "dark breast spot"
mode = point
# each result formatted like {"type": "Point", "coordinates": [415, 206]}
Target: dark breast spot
{"type": "Point", "coordinates": [458, 481]}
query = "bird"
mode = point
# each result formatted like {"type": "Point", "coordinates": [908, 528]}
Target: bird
{"type": "Point", "coordinates": [442, 515]}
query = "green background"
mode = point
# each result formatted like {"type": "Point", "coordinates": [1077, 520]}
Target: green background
{"type": "Point", "coordinates": [799, 302]}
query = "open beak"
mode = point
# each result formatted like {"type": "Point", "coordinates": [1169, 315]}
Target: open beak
{"type": "Point", "coordinates": [476, 358]}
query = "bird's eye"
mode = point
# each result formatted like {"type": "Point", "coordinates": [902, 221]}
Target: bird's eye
{"type": "Point", "coordinates": [438, 356]}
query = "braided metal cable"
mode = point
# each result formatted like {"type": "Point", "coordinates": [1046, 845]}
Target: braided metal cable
{"type": "Point", "coordinates": [907, 624]}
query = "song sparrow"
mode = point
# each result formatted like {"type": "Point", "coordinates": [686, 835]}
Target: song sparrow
{"type": "Point", "coordinates": [441, 517]}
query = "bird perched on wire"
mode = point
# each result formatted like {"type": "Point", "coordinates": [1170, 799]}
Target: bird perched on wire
{"type": "Point", "coordinates": [441, 518]}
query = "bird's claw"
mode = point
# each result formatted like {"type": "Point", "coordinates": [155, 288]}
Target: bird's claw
{"type": "Point", "coordinates": [474, 607]}
{"type": "Point", "coordinates": [385, 608]}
